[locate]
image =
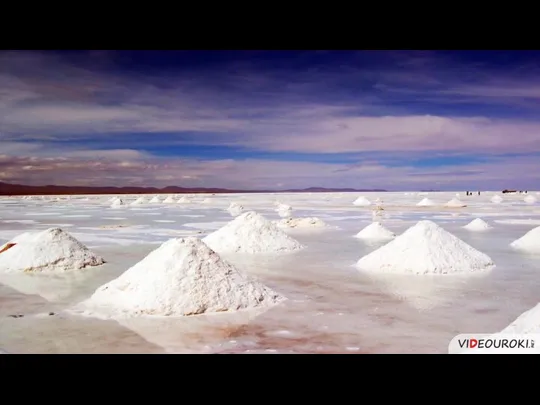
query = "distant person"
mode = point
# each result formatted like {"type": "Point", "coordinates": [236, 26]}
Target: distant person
{"type": "Point", "coordinates": [479, 193]}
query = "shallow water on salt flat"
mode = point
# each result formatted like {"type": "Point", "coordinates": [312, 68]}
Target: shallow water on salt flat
{"type": "Point", "coordinates": [332, 308]}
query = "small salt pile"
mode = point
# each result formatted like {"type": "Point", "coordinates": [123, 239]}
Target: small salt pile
{"type": "Point", "coordinates": [169, 200]}
{"type": "Point", "coordinates": [302, 223]}
{"type": "Point", "coordinates": [235, 209]}
{"type": "Point", "coordinates": [455, 203]}
{"type": "Point", "coordinates": [251, 233]}
{"type": "Point", "coordinates": [375, 231]}
{"type": "Point", "coordinates": [284, 210]}
{"type": "Point", "coordinates": [426, 248]}
{"type": "Point", "coordinates": [182, 277]}
{"type": "Point", "coordinates": [112, 199]}
{"type": "Point", "coordinates": [46, 251]}
{"type": "Point", "coordinates": [530, 199]}
{"type": "Point", "coordinates": [426, 202]}
{"type": "Point", "coordinates": [530, 242]}
{"type": "Point", "coordinates": [118, 203]}
{"type": "Point", "coordinates": [496, 199]}
{"type": "Point", "coordinates": [155, 200]}
{"type": "Point", "coordinates": [183, 200]}
{"type": "Point", "coordinates": [139, 201]}
{"type": "Point", "coordinates": [477, 225]}
{"type": "Point", "coordinates": [362, 201]}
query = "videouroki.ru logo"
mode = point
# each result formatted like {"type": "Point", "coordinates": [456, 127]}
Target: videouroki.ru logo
{"type": "Point", "coordinates": [495, 343]}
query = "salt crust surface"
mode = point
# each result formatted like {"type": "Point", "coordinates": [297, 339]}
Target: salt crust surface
{"type": "Point", "coordinates": [426, 248]}
{"type": "Point", "coordinates": [51, 250]}
{"type": "Point", "coordinates": [477, 225]}
{"type": "Point", "coordinates": [250, 232]}
{"type": "Point", "coordinates": [375, 231]}
{"type": "Point", "coordinates": [530, 199]}
{"type": "Point", "coordinates": [530, 242]}
{"type": "Point", "coordinates": [180, 278]}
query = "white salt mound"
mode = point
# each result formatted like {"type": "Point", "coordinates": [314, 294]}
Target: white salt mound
{"type": "Point", "coordinates": [426, 202]}
{"type": "Point", "coordinates": [426, 248]}
{"type": "Point", "coordinates": [302, 223]}
{"type": "Point", "coordinates": [496, 199]}
{"type": "Point", "coordinates": [47, 251]}
{"type": "Point", "coordinates": [454, 202]}
{"type": "Point", "coordinates": [183, 200]}
{"type": "Point", "coordinates": [527, 322]}
{"type": "Point", "coordinates": [375, 231]}
{"type": "Point", "coordinates": [530, 199]}
{"type": "Point", "coordinates": [530, 242]}
{"type": "Point", "coordinates": [362, 201]}
{"type": "Point", "coordinates": [235, 209]}
{"type": "Point", "coordinates": [477, 225]}
{"type": "Point", "coordinates": [285, 213]}
{"type": "Point", "coordinates": [251, 233]}
{"type": "Point", "coordinates": [169, 200]}
{"type": "Point", "coordinates": [118, 203]}
{"type": "Point", "coordinates": [180, 278]}
{"type": "Point", "coordinates": [155, 200]}
{"type": "Point", "coordinates": [139, 201]}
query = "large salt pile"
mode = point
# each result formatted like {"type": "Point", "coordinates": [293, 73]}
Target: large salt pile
{"type": "Point", "coordinates": [183, 200]}
{"type": "Point", "coordinates": [477, 225]}
{"type": "Point", "coordinates": [527, 322]}
{"type": "Point", "coordinates": [182, 277]}
{"type": "Point", "coordinates": [530, 199]}
{"type": "Point", "coordinates": [169, 200]}
{"type": "Point", "coordinates": [530, 242]}
{"type": "Point", "coordinates": [362, 201]}
{"type": "Point", "coordinates": [455, 203]}
{"type": "Point", "coordinates": [426, 248]}
{"type": "Point", "coordinates": [139, 201]}
{"type": "Point", "coordinates": [155, 200]}
{"type": "Point", "coordinates": [46, 251]}
{"type": "Point", "coordinates": [302, 223]}
{"type": "Point", "coordinates": [251, 233]}
{"type": "Point", "coordinates": [375, 231]}
{"type": "Point", "coordinates": [426, 202]}
{"type": "Point", "coordinates": [496, 199]}
{"type": "Point", "coordinates": [235, 209]}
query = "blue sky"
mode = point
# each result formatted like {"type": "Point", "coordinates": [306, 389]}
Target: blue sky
{"type": "Point", "coordinates": [399, 120]}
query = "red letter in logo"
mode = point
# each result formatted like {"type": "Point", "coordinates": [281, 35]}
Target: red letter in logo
{"type": "Point", "coordinates": [473, 343]}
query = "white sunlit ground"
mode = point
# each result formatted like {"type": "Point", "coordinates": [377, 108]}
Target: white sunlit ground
{"type": "Point", "coordinates": [332, 307]}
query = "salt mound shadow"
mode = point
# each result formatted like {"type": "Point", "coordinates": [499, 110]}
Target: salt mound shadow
{"type": "Point", "coordinates": [426, 248]}
{"type": "Point", "coordinates": [51, 250]}
{"type": "Point", "coordinates": [251, 233]}
{"type": "Point", "coordinates": [182, 277]}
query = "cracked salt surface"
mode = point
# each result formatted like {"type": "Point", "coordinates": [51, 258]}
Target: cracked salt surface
{"type": "Point", "coordinates": [362, 314]}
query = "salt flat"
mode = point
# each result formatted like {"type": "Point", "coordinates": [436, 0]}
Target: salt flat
{"type": "Point", "coordinates": [331, 308]}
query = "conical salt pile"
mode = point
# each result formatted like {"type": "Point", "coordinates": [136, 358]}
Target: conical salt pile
{"type": "Point", "coordinates": [426, 248]}
{"type": "Point", "coordinates": [530, 199]}
{"type": "Point", "coordinates": [362, 201]}
{"type": "Point", "coordinates": [169, 200]}
{"type": "Point", "coordinates": [183, 200]}
{"type": "Point", "coordinates": [251, 233]}
{"type": "Point", "coordinates": [235, 209]}
{"type": "Point", "coordinates": [527, 322]}
{"type": "Point", "coordinates": [117, 203]}
{"type": "Point", "coordinates": [496, 199]}
{"type": "Point", "coordinates": [284, 210]}
{"type": "Point", "coordinates": [530, 242]}
{"type": "Point", "coordinates": [155, 200]}
{"type": "Point", "coordinates": [375, 231]}
{"type": "Point", "coordinates": [455, 203]}
{"type": "Point", "coordinates": [139, 201]}
{"type": "Point", "coordinates": [182, 277]}
{"type": "Point", "coordinates": [477, 225]}
{"type": "Point", "coordinates": [426, 202]}
{"type": "Point", "coordinates": [46, 251]}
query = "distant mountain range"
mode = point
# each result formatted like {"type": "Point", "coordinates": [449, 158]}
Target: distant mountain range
{"type": "Point", "coordinates": [20, 189]}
